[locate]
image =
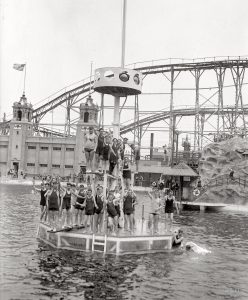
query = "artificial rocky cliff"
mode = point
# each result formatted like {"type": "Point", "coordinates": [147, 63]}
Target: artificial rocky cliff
{"type": "Point", "coordinates": [214, 168]}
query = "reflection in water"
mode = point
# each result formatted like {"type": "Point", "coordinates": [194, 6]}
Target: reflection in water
{"type": "Point", "coordinates": [31, 270]}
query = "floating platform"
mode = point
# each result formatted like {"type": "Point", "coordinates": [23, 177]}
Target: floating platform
{"type": "Point", "coordinates": [202, 206]}
{"type": "Point", "coordinates": [119, 244]}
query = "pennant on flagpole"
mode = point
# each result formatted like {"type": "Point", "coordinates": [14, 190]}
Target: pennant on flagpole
{"type": "Point", "coordinates": [19, 67]}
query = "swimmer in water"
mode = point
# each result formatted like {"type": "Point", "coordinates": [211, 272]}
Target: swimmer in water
{"type": "Point", "coordinates": [195, 248]}
{"type": "Point", "coordinates": [178, 238]}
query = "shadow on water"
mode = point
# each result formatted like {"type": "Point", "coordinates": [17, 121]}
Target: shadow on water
{"type": "Point", "coordinates": [32, 270]}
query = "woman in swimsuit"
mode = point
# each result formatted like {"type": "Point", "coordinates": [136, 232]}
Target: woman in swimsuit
{"type": "Point", "coordinates": [89, 148]}
{"type": "Point", "coordinates": [155, 206]}
{"type": "Point", "coordinates": [170, 201]}
{"type": "Point", "coordinates": [99, 148]}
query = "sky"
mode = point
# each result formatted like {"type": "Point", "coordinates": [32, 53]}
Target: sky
{"type": "Point", "coordinates": [58, 39]}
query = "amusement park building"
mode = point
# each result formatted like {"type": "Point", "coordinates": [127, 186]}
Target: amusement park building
{"type": "Point", "coordinates": [24, 150]}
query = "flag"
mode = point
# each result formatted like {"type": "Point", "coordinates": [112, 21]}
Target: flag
{"type": "Point", "coordinates": [19, 67]}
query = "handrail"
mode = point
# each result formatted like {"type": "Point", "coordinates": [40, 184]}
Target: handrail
{"type": "Point", "coordinates": [138, 64]}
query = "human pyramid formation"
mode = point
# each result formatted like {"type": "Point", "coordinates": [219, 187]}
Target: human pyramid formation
{"type": "Point", "coordinates": [87, 204]}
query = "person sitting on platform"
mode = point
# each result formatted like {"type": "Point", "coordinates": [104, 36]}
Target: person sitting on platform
{"type": "Point", "coordinates": [90, 205]}
{"type": "Point", "coordinates": [129, 201]}
{"type": "Point", "coordinates": [169, 203]}
{"type": "Point", "coordinates": [53, 204]}
{"type": "Point", "coordinates": [80, 206]}
{"type": "Point", "coordinates": [126, 173]}
{"type": "Point", "coordinates": [89, 148]}
{"type": "Point", "coordinates": [112, 213]}
{"type": "Point", "coordinates": [98, 212]}
{"type": "Point", "coordinates": [154, 211]}
{"type": "Point", "coordinates": [177, 240]}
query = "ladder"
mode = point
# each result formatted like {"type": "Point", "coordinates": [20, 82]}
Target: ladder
{"type": "Point", "coordinates": [96, 241]}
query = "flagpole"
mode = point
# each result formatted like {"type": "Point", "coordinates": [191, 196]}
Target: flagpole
{"type": "Point", "coordinates": [24, 79]}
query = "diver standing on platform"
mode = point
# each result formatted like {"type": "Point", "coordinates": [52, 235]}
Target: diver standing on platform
{"type": "Point", "coordinates": [53, 204]}
{"type": "Point", "coordinates": [89, 148]}
{"type": "Point", "coordinates": [169, 203]}
{"type": "Point", "coordinates": [99, 209]}
{"type": "Point", "coordinates": [44, 188]}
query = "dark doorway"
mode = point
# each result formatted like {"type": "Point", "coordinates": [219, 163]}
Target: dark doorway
{"type": "Point", "coordinates": [16, 168]}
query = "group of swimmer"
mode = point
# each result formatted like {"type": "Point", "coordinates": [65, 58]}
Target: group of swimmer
{"type": "Point", "coordinates": [65, 207]}
{"type": "Point", "coordinates": [105, 153]}
{"type": "Point", "coordinates": [78, 206]}
{"type": "Point", "coordinates": [73, 206]}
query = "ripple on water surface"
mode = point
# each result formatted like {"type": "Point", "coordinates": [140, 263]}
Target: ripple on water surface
{"type": "Point", "coordinates": [31, 270]}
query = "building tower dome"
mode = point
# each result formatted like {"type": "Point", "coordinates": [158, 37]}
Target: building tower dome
{"type": "Point", "coordinates": [88, 113]}
{"type": "Point", "coordinates": [22, 111]}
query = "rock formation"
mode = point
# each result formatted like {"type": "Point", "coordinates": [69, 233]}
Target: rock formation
{"type": "Point", "coordinates": [217, 161]}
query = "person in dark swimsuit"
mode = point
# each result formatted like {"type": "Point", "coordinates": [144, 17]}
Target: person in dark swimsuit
{"type": "Point", "coordinates": [113, 156]}
{"type": "Point", "coordinates": [80, 206]}
{"type": "Point", "coordinates": [106, 153]}
{"type": "Point", "coordinates": [126, 173]}
{"type": "Point", "coordinates": [128, 208]}
{"type": "Point", "coordinates": [170, 201]}
{"type": "Point", "coordinates": [53, 204]}
{"type": "Point", "coordinates": [66, 207]}
{"type": "Point", "coordinates": [112, 213]}
{"type": "Point", "coordinates": [44, 188]}
{"type": "Point", "coordinates": [90, 205]}
{"type": "Point", "coordinates": [98, 212]}
{"type": "Point", "coordinates": [99, 148]}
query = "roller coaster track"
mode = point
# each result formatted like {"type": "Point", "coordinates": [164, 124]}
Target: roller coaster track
{"type": "Point", "coordinates": [71, 94]}
{"type": "Point", "coordinates": [180, 112]}
{"type": "Point", "coordinates": [183, 65]}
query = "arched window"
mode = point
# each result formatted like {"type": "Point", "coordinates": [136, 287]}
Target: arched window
{"type": "Point", "coordinates": [86, 117]}
{"type": "Point", "coordinates": [19, 115]}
